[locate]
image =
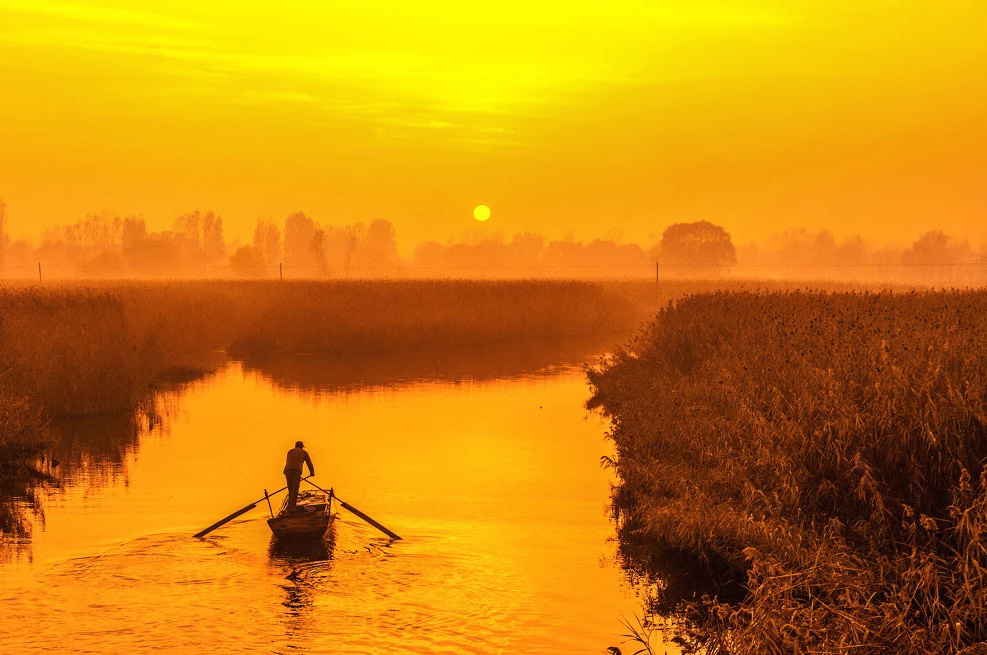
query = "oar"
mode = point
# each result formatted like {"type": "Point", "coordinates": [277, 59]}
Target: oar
{"type": "Point", "coordinates": [242, 510]}
{"type": "Point", "coordinates": [356, 511]}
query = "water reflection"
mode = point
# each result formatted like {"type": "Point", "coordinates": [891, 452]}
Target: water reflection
{"type": "Point", "coordinates": [93, 450]}
{"type": "Point", "coordinates": [495, 486]}
{"type": "Point", "coordinates": [305, 565]}
{"type": "Point", "coordinates": [292, 552]}
{"type": "Point", "coordinates": [669, 583]}
{"type": "Point", "coordinates": [335, 373]}
{"type": "Point", "coordinates": [87, 450]}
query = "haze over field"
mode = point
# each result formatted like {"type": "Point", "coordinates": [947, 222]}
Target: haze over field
{"type": "Point", "coordinates": [104, 246]}
{"type": "Point", "coordinates": [608, 122]}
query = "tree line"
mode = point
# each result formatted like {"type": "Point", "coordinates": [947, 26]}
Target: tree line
{"type": "Point", "coordinates": [104, 245]}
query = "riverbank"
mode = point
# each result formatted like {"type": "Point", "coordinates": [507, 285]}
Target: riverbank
{"type": "Point", "coordinates": [78, 349]}
{"type": "Point", "coordinates": [88, 349]}
{"type": "Point", "coordinates": [828, 446]}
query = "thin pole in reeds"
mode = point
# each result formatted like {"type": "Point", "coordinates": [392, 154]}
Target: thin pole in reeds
{"type": "Point", "coordinates": [39, 272]}
{"type": "Point", "coordinates": [3, 208]}
{"type": "Point", "coordinates": [280, 272]}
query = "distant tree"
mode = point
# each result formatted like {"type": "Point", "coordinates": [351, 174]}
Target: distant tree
{"type": "Point", "coordinates": [428, 258]}
{"type": "Point", "coordinates": [267, 239]}
{"type": "Point", "coordinates": [604, 257]}
{"type": "Point", "coordinates": [248, 261]}
{"type": "Point", "coordinates": [133, 241]}
{"type": "Point", "coordinates": [934, 256]}
{"type": "Point", "coordinates": [213, 245]}
{"type": "Point", "coordinates": [853, 251]}
{"type": "Point", "coordinates": [339, 244]}
{"type": "Point", "coordinates": [489, 258]}
{"type": "Point", "coordinates": [526, 249]}
{"type": "Point", "coordinates": [563, 257]}
{"type": "Point", "coordinates": [934, 247]}
{"type": "Point", "coordinates": [133, 231]}
{"type": "Point", "coordinates": [318, 248]}
{"type": "Point", "coordinates": [303, 243]}
{"type": "Point", "coordinates": [379, 248]}
{"type": "Point", "coordinates": [696, 244]}
{"type": "Point", "coordinates": [823, 249]}
{"type": "Point", "coordinates": [150, 252]}
{"type": "Point", "coordinates": [201, 236]}
{"type": "Point", "coordinates": [104, 263]}
{"type": "Point", "coordinates": [188, 229]}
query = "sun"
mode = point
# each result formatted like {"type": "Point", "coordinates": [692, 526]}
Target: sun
{"type": "Point", "coordinates": [481, 213]}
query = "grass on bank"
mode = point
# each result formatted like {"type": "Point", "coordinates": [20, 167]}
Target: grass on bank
{"type": "Point", "coordinates": [831, 446]}
{"type": "Point", "coordinates": [82, 349]}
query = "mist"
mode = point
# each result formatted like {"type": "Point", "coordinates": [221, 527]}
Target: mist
{"type": "Point", "coordinates": [104, 246]}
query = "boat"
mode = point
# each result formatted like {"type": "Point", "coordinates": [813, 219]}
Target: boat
{"type": "Point", "coordinates": [310, 519]}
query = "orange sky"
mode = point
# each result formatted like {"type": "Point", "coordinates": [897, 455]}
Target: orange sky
{"type": "Point", "coordinates": [571, 118]}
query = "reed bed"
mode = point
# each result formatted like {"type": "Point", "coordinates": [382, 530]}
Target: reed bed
{"type": "Point", "coordinates": [80, 349]}
{"type": "Point", "coordinates": [831, 446]}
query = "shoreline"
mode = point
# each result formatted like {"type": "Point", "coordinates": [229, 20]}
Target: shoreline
{"type": "Point", "coordinates": [827, 448]}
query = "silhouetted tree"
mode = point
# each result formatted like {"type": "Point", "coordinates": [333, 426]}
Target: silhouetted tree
{"type": "Point", "coordinates": [339, 244]}
{"type": "Point", "coordinates": [213, 245]}
{"type": "Point", "coordinates": [785, 255]}
{"type": "Point", "coordinates": [201, 237]}
{"type": "Point", "coordinates": [248, 261]}
{"type": "Point", "coordinates": [934, 247]}
{"type": "Point", "coordinates": [147, 252]}
{"type": "Point", "coordinates": [379, 248]}
{"type": "Point", "coordinates": [303, 242]}
{"type": "Point", "coordinates": [267, 239]}
{"type": "Point", "coordinates": [934, 257]}
{"type": "Point", "coordinates": [696, 244]}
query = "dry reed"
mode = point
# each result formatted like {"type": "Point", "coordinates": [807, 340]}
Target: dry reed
{"type": "Point", "coordinates": [832, 446]}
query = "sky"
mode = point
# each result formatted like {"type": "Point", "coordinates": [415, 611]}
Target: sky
{"type": "Point", "coordinates": [590, 120]}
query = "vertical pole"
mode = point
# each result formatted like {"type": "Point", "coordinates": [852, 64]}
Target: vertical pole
{"type": "Point", "coordinates": [39, 271]}
{"type": "Point", "coordinates": [3, 208]}
{"type": "Point", "coordinates": [280, 272]}
{"type": "Point", "coordinates": [657, 273]}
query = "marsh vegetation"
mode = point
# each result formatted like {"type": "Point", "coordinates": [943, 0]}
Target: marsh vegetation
{"type": "Point", "coordinates": [828, 448]}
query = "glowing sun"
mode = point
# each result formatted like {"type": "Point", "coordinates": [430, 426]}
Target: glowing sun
{"type": "Point", "coordinates": [481, 213]}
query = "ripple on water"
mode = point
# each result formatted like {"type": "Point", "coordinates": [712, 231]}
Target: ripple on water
{"type": "Point", "coordinates": [179, 594]}
{"type": "Point", "coordinates": [503, 527]}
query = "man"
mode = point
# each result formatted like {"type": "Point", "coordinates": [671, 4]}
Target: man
{"type": "Point", "coordinates": [293, 472]}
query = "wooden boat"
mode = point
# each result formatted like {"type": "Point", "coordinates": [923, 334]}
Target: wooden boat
{"type": "Point", "coordinates": [311, 518]}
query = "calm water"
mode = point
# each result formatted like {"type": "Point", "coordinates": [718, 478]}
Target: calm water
{"type": "Point", "coordinates": [494, 483]}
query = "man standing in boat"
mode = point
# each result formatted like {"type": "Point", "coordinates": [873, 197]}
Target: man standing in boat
{"type": "Point", "coordinates": [297, 456]}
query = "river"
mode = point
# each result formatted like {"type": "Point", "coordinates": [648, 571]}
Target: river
{"type": "Point", "coordinates": [491, 475]}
